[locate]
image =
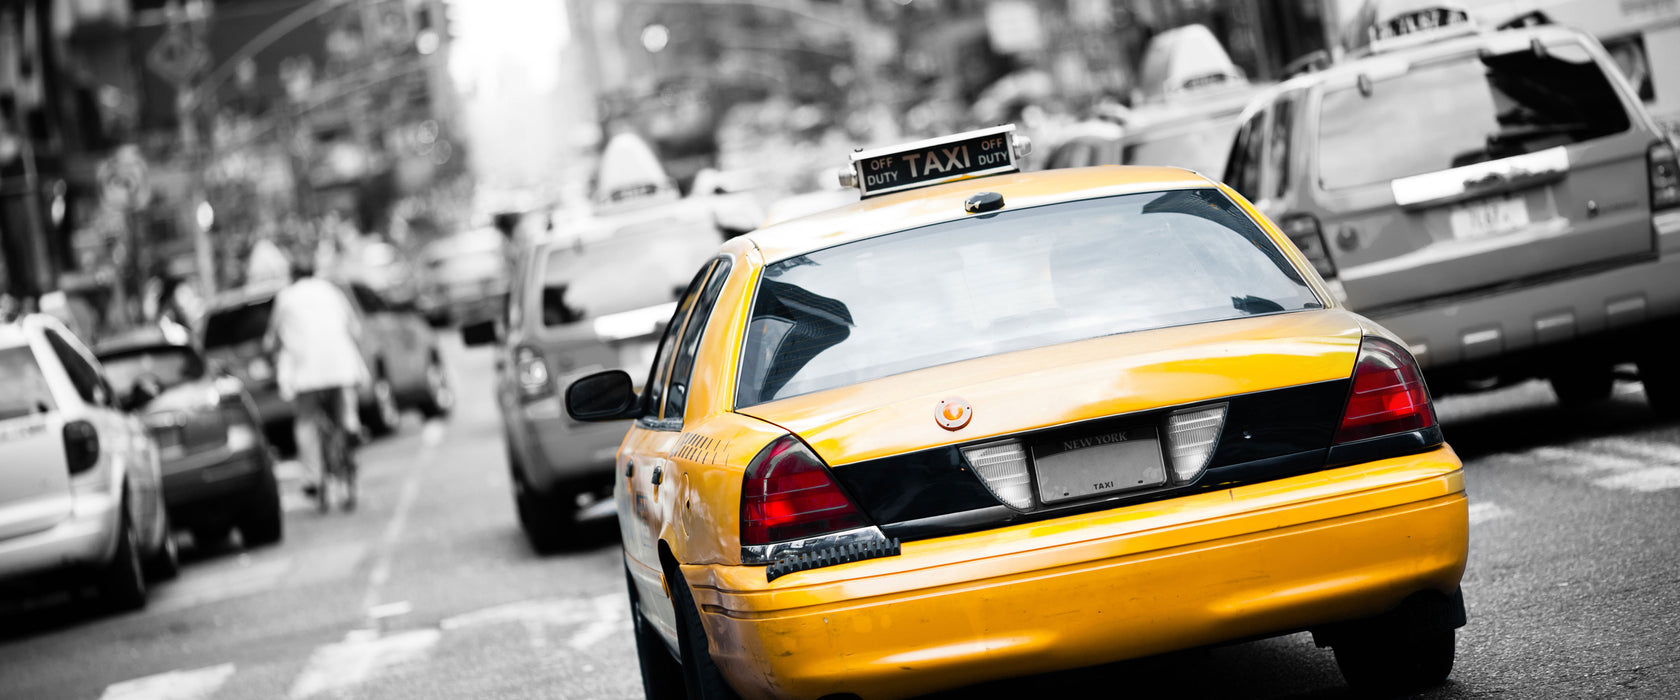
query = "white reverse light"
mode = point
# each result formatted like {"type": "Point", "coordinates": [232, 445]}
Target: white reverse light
{"type": "Point", "coordinates": [1191, 437]}
{"type": "Point", "coordinates": [1002, 466]}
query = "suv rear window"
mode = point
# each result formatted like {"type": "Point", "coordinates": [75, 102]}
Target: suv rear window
{"type": "Point", "coordinates": [1463, 111]}
{"type": "Point", "coordinates": [1017, 280]}
{"type": "Point", "coordinates": [636, 267]}
{"type": "Point", "coordinates": [26, 391]}
{"type": "Point", "coordinates": [236, 325]}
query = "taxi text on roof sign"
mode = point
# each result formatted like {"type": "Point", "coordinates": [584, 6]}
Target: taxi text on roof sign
{"type": "Point", "coordinates": [906, 166]}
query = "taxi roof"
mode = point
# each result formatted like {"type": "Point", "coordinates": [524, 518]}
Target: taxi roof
{"type": "Point", "coordinates": [919, 207]}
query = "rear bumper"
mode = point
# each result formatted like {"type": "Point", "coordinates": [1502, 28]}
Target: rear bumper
{"type": "Point", "coordinates": [220, 485]}
{"type": "Point", "coordinates": [555, 449]}
{"type": "Point", "coordinates": [85, 539]}
{"type": "Point", "coordinates": [1485, 329]}
{"type": "Point", "coordinates": [1258, 560]}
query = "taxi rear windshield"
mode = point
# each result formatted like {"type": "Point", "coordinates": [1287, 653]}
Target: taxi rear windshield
{"type": "Point", "coordinates": [1017, 280]}
{"type": "Point", "coordinates": [1465, 111]}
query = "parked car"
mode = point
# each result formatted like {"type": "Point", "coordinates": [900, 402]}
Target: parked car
{"type": "Point", "coordinates": [400, 348]}
{"type": "Point", "coordinates": [81, 490]}
{"type": "Point", "coordinates": [597, 299]}
{"type": "Point", "coordinates": [218, 470]}
{"type": "Point", "coordinates": [467, 281]}
{"type": "Point", "coordinates": [1499, 200]}
{"type": "Point", "coordinates": [988, 424]}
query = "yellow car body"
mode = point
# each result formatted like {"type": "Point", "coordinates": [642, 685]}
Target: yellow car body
{"type": "Point", "coordinates": [1307, 551]}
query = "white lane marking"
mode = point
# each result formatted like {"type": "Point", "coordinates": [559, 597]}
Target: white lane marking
{"type": "Point", "coordinates": [388, 542]}
{"type": "Point", "coordinates": [1481, 512]}
{"type": "Point", "coordinates": [1584, 463]}
{"type": "Point", "coordinates": [379, 612]}
{"type": "Point", "coordinates": [433, 433]}
{"type": "Point", "coordinates": [1647, 480]}
{"type": "Point", "coordinates": [549, 611]}
{"type": "Point", "coordinates": [608, 619]}
{"type": "Point", "coordinates": [196, 684]}
{"type": "Point", "coordinates": [1666, 453]}
{"type": "Point", "coordinates": [340, 667]}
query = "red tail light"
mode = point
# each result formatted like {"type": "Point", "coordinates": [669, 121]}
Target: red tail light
{"type": "Point", "coordinates": [788, 494]}
{"type": "Point", "coordinates": [1665, 176]}
{"type": "Point", "coordinates": [1304, 231]}
{"type": "Point", "coordinates": [81, 446]}
{"type": "Point", "coordinates": [1388, 394]}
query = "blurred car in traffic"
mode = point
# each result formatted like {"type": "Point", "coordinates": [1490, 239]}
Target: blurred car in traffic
{"type": "Point", "coordinates": [595, 299]}
{"type": "Point", "coordinates": [81, 491]}
{"type": "Point", "coordinates": [218, 471]}
{"type": "Point", "coordinates": [385, 269]}
{"type": "Point", "coordinates": [466, 281]}
{"type": "Point", "coordinates": [1185, 117]}
{"type": "Point", "coordinates": [399, 346]}
{"type": "Point", "coordinates": [986, 424]}
{"type": "Point", "coordinates": [1499, 200]}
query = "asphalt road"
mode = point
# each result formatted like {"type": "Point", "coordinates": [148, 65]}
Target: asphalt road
{"type": "Point", "coordinates": [429, 591]}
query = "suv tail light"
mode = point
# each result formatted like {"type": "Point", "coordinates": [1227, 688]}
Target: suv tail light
{"type": "Point", "coordinates": [1665, 176]}
{"type": "Point", "coordinates": [1388, 394]}
{"type": "Point", "coordinates": [788, 494]}
{"type": "Point", "coordinates": [531, 371]}
{"type": "Point", "coordinates": [81, 446]}
{"type": "Point", "coordinates": [1304, 231]}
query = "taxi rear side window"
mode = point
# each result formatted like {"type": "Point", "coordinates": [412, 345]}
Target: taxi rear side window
{"type": "Point", "coordinates": [1021, 279]}
{"type": "Point", "coordinates": [1464, 111]}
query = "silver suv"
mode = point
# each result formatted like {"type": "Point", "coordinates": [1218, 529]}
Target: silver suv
{"type": "Point", "coordinates": [1500, 200]}
{"type": "Point", "coordinates": [80, 488]}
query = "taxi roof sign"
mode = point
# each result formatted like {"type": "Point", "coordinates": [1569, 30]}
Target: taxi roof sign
{"type": "Point", "coordinates": [961, 156]}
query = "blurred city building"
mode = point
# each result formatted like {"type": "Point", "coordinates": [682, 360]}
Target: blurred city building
{"type": "Point", "coordinates": [159, 139]}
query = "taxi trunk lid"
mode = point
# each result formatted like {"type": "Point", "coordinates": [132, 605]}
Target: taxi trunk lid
{"type": "Point", "coordinates": [886, 446]}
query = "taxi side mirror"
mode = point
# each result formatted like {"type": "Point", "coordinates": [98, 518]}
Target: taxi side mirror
{"type": "Point", "coordinates": [603, 396]}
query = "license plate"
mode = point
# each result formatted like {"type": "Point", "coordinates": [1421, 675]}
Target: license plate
{"type": "Point", "coordinates": [1488, 217]}
{"type": "Point", "coordinates": [1089, 465]}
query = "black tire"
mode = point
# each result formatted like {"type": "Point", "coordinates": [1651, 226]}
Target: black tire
{"type": "Point", "coordinates": [122, 583]}
{"type": "Point", "coordinates": [662, 676]}
{"type": "Point", "coordinates": [440, 396]}
{"type": "Point", "coordinates": [165, 563]}
{"type": "Point", "coordinates": [545, 517]}
{"type": "Point", "coordinates": [264, 522]}
{"type": "Point", "coordinates": [1662, 385]}
{"type": "Point", "coordinates": [701, 675]}
{"type": "Point", "coordinates": [1391, 665]}
{"type": "Point", "coordinates": [1584, 385]}
{"type": "Point", "coordinates": [382, 415]}
{"type": "Point", "coordinates": [210, 536]}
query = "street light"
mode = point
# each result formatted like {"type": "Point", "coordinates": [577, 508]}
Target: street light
{"type": "Point", "coordinates": [206, 216]}
{"type": "Point", "coordinates": [655, 37]}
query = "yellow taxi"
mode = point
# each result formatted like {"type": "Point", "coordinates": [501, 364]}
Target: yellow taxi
{"type": "Point", "coordinates": [986, 424]}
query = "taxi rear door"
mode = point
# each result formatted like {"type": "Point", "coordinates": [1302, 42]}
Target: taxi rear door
{"type": "Point", "coordinates": [34, 479]}
{"type": "Point", "coordinates": [642, 464]}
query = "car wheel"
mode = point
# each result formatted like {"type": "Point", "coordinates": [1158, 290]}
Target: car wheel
{"type": "Point", "coordinates": [122, 584]}
{"type": "Point", "coordinates": [210, 536]}
{"type": "Point", "coordinates": [440, 396]}
{"type": "Point", "coordinates": [1390, 664]}
{"type": "Point", "coordinates": [1580, 386]}
{"type": "Point", "coordinates": [701, 675]}
{"type": "Point", "coordinates": [165, 564]}
{"type": "Point", "coordinates": [1662, 386]}
{"type": "Point", "coordinates": [546, 517]}
{"type": "Point", "coordinates": [264, 522]}
{"type": "Point", "coordinates": [382, 415]}
{"type": "Point", "coordinates": [662, 676]}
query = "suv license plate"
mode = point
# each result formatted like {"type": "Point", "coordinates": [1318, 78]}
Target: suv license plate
{"type": "Point", "coordinates": [1073, 468]}
{"type": "Point", "coordinates": [1488, 217]}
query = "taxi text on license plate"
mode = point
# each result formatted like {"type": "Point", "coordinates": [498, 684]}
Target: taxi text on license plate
{"type": "Point", "coordinates": [1488, 217]}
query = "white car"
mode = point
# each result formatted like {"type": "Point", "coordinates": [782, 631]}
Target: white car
{"type": "Point", "coordinates": [80, 487]}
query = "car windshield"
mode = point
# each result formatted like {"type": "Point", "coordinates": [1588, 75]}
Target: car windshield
{"type": "Point", "coordinates": [236, 325]}
{"type": "Point", "coordinates": [1201, 148]}
{"type": "Point", "coordinates": [23, 389]}
{"type": "Point", "coordinates": [171, 366]}
{"type": "Point", "coordinates": [1021, 279]}
{"type": "Point", "coordinates": [635, 267]}
{"type": "Point", "coordinates": [1464, 111]}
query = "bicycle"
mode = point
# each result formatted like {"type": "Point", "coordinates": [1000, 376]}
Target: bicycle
{"type": "Point", "coordinates": [325, 408]}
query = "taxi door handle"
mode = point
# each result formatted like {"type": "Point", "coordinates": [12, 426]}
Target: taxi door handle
{"type": "Point", "coordinates": [658, 475]}
{"type": "Point", "coordinates": [629, 469]}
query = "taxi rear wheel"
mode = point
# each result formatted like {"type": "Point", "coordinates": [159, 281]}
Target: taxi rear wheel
{"type": "Point", "coordinates": [1381, 664]}
{"type": "Point", "coordinates": [700, 673]}
{"type": "Point", "coordinates": [662, 677]}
